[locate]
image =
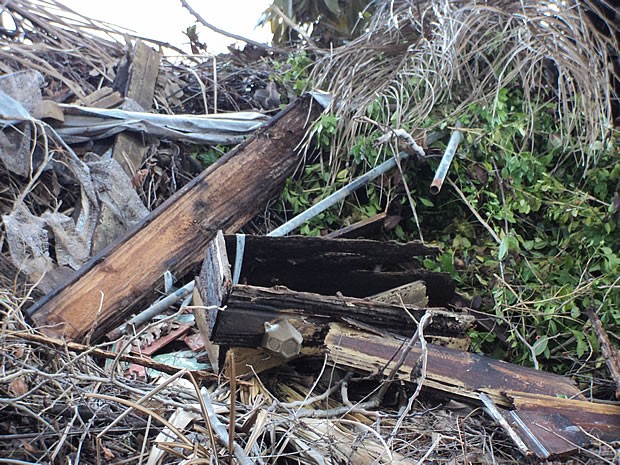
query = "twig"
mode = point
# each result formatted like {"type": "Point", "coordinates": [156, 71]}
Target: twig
{"type": "Point", "coordinates": [145, 397]}
{"type": "Point", "coordinates": [202, 21]}
{"type": "Point", "coordinates": [475, 212]}
{"type": "Point", "coordinates": [97, 352]}
{"type": "Point", "coordinates": [610, 353]}
{"type": "Point", "coordinates": [232, 415]}
{"type": "Point", "coordinates": [290, 23]}
{"type": "Point", "coordinates": [426, 318]}
{"type": "Point", "coordinates": [424, 321]}
{"type": "Point", "coordinates": [220, 430]}
{"type": "Point", "coordinates": [311, 400]}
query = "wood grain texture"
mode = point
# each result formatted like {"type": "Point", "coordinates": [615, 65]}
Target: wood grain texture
{"type": "Point", "coordinates": [121, 279]}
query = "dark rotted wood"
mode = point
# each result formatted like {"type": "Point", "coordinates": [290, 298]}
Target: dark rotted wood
{"type": "Point", "coordinates": [545, 412]}
{"type": "Point", "coordinates": [124, 277]}
{"type": "Point", "coordinates": [552, 426]}
{"type": "Point", "coordinates": [440, 287]}
{"type": "Point", "coordinates": [242, 322]}
{"type": "Point", "coordinates": [318, 253]}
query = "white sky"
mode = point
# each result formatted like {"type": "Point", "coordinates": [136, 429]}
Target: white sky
{"type": "Point", "coordinates": [166, 20]}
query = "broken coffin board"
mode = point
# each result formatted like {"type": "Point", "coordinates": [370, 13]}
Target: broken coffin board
{"type": "Point", "coordinates": [351, 267]}
{"type": "Point", "coordinates": [124, 277]}
{"type": "Point", "coordinates": [544, 414]}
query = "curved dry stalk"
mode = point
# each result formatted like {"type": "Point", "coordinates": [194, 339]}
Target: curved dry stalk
{"type": "Point", "coordinates": [413, 60]}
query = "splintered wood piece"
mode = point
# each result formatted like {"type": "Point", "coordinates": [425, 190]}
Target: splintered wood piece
{"type": "Point", "coordinates": [460, 373]}
{"type": "Point", "coordinates": [123, 278]}
{"type": "Point", "coordinates": [552, 426]}
{"type": "Point", "coordinates": [409, 294]}
{"type": "Point", "coordinates": [545, 414]}
{"type": "Point", "coordinates": [369, 227]}
{"type": "Point", "coordinates": [129, 149]}
{"type": "Point", "coordinates": [242, 322]}
{"type": "Point", "coordinates": [213, 286]}
{"type": "Point", "coordinates": [105, 97]}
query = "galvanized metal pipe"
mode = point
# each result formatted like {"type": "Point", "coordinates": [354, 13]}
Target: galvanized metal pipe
{"type": "Point", "coordinates": [446, 160]}
{"type": "Point", "coordinates": [340, 194]}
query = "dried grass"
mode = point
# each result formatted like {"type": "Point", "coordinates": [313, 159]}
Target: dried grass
{"type": "Point", "coordinates": [61, 406]}
{"type": "Point", "coordinates": [419, 56]}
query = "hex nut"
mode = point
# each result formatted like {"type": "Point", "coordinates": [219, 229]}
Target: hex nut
{"type": "Point", "coordinates": [282, 338]}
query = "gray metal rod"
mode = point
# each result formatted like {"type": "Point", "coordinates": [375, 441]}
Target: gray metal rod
{"type": "Point", "coordinates": [446, 160]}
{"type": "Point", "coordinates": [340, 194]}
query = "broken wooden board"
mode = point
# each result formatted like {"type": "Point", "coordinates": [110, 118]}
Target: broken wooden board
{"type": "Point", "coordinates": [211, 290]}
{"type": "Point", "coordinates": [129, 149]}
{"type": "Point", "coordinates": [248, 308]}
{"type": "Point", "coordinates": [440, 287]}
{"type": "Point", "coordinates": [365, 228]}
{"type": "Point", "coordinates": [123, 278]}
{"type": "Point", "coordinates": [327, 266]}
{"type": "Point", "coordinates": [548, 426]}
{"type": "Point", "coordinates": [544, 413]}
{"type": "Point", "coordinates": [319, 253]}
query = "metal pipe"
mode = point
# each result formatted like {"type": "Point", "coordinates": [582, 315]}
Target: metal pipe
{"type": "Point", "coordinates": [155, 309]}
{"type": "Point", "coordinates": [446, 160]}
{"type": "Point", "coordinates": [340, 194]}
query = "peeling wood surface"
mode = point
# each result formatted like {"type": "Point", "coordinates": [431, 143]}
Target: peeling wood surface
{"type": "Point", "coordinates": [460, 373]}
{"type": "Point", "coordinates": [440, 287]}
{"type": "Point", "coordinates": [242, 322]}
{"type": "Point", "coordinates": [129, 149]}
{"type": "Point", "coordinates": [552, 426]}
{"type": "Point", "coordinates": [124, 277]}
{"type": "Point", "coordinates": [545, 414]}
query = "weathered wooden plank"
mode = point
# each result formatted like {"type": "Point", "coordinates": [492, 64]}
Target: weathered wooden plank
{"type": "Point", "coordinates": [318, 253]}
{"type": "Point", "coordinates": [440, 287]}
{"type": "Point", "coordinates": [545, 414]}
{"type": "Point", "coordinates": [242, 322]}
{"type": "Point", "coordinates": [553, 426]}
{"type": "Point", "coordinates": [459, 373]}
{"type": "Point", "coordinates": [120, 280]}
{"type": "Point", "coordinates": [213, 286]}
{"type": "Point", "coordinates": [129, 149]}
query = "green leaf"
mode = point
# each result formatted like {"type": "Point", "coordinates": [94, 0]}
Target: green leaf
{"type": "Point", "coordinates": [332, 5]}
{"type": "Point", "coordinates": [541, 345]}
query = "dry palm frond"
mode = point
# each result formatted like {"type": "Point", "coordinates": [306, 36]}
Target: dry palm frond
{"type": "Point", "coordinates": [420, 56]}
{"type": "Point", "coordinates": [63, 45]}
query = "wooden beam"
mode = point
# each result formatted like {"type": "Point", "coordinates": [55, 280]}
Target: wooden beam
{"type": "Point", "coordinates": [459, 373]}
{"type": "Point", "coordinates": [121, 279]}
{"type": "Point", "coordinates": [327, 266]}
{"type": "Point", "coordinates": [545, 414]}
{"type": "Point", "coordinates": [248, 308]}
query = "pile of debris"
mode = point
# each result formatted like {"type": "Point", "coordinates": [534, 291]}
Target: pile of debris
{"type": "Point", "coordinates": [319, 350]}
